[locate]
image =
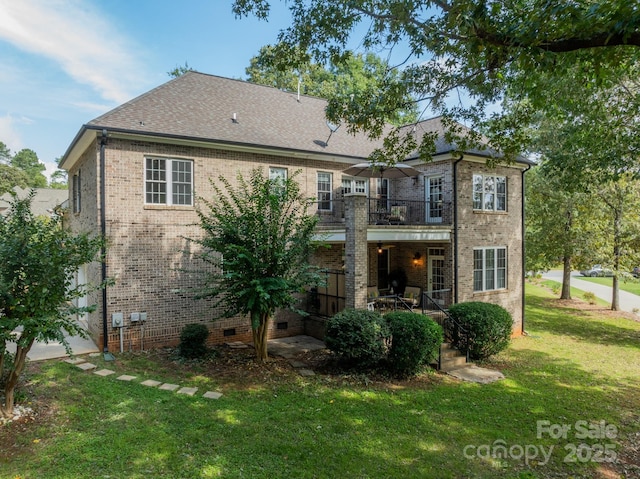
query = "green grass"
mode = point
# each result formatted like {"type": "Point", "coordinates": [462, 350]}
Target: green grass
{"type": "Point", "coordinates": [631, 286]}
{"type": "Point", "coordinates": [556, 287]}
{"type": "Point", "coordinates": [572, 367]}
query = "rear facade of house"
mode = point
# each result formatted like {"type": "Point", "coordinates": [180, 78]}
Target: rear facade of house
{"type": "Point", "coordinates": [138, 172]}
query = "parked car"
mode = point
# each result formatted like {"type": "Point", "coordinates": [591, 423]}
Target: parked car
{"type": "Point", "coordinates": [597, 270]}
{"type": "Point", "coordinates": [636, 272]}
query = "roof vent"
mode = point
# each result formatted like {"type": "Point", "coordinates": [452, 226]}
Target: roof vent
{"type": "Point", "coordinates": [234, 118]}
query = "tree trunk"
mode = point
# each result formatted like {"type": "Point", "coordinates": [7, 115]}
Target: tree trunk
{"type": "Point", "coordinates": [615, 300]}
{"type": "Point", "coordinates": [260, 337]}
{"type": "Point", "coordinates": [19, 363]}
{"type": "Point", "coordinates": [566, 278]}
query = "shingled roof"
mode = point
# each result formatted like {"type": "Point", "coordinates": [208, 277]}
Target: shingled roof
{"type": "Point", "coordinates": [222, 111]}
{"type": "Point", "coordinates": [205, 107]}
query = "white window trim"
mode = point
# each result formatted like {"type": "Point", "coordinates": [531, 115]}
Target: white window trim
{"type": "Point", "coordinates": [353, 181]}
{"type": "Point", "coordinates": [318, 173]}
{"type": "Point", "coordinates": [495, 269]}
{"type": "Point", "coordinates": [168, 181]}
{"type": "Point", "coordinates": [495, 199]}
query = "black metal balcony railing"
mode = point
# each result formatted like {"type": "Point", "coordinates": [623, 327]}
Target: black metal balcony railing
{"type": "Point", "coordinates": [388, 212]}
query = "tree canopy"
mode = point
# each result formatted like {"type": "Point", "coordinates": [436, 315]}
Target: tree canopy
{"type": "Point", "coordinates": [27, 161]}
{"type": "Point", "coordinates": [258, 238]}
{"type": "Point", "coordinates": [357, 74]}
{"type": "Point", "coordinates": [465, 56]}
{"type": "Point", "coordinates": [39, 259]}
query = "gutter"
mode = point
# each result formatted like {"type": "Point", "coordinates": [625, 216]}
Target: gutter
{"type": "Point", "coordinates": [455, 228]}
{"type": "Point", "coordinates": [522, 331]}
{"type": "Point", "coordinates": [103, 231]}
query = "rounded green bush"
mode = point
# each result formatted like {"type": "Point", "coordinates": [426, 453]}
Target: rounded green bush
{"type": "Point", "coordinates": [359, 337]}
{"type": "Point", "coordinates": [489, 328]}
{"type": "Point", "coordinates": [415, 340]}
{"type": "Point", "coordinates": [193, 339]}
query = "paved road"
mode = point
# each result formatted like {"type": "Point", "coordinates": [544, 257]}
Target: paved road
{"type": "Point", "coordinates": [628, 301]}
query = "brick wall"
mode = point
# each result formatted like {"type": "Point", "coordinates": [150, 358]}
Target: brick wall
{"type": "Point", "coordinates": [485, 229]}
{"type": "Point", "coordinates": [148, 253]}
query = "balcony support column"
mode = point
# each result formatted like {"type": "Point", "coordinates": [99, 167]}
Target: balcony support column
{"type": "Point", "coordinates": [356, 251]}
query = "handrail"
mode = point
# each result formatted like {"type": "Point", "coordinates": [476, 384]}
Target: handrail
{"type": "Point", "coordinates": [448, 324]}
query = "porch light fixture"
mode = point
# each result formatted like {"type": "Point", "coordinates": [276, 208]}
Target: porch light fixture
{"type": "Point", "coordinates": [416, 259]}
{"type": "Point", "coordinates": [379, 247]}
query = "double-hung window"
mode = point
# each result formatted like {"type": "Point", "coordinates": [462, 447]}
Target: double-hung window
{"type": "Point", "coordinates": [489, 193]}
{"type": "Point", "coordinates": [279, 177]}
{"type": "Point", "coordinates": [168, 181]}
{"type": "Point", "coordinates": [489, 269]}
{"type": "Point", "coordinates": [76, 191]}
{"type": "Point", "coordinates": [324, 190]}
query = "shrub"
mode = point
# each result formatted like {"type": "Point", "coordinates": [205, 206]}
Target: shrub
{"type": "Point", "coordinates": [359, 337]}
{"type": "Point", "coordinates": [589, 297]}
{"type": "Point", "coordinates": [489, 328]}
{"type": "Point", "coordinates": [193, 338]}
{"type": "Point", "coordinates": [415, 340]}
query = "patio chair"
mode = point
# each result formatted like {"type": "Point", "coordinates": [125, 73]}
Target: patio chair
{"type": "Point", "coordinates": [398, 214]}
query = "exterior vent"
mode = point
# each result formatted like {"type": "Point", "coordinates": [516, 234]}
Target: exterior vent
{"type": "Point", "coordinates": [229, 332]}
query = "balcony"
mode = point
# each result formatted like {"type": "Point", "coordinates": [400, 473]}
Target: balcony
{"type": "Point", "coordinates": [388, 212]}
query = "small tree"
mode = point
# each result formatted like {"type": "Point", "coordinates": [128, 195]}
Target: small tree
{"type": "Point", "coordinates": [259, 237]}
{"type": "Point", "coordinates": [38, 261]}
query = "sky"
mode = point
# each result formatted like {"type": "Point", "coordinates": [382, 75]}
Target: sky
{"type": "Point", "coordinates": [65, 62]}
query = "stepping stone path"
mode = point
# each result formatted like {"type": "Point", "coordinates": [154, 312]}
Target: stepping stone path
{"type": "Point", "coordinates": [87, 366]}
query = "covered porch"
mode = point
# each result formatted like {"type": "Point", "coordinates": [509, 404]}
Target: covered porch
{"type": "Point", "coordinates": [383, 266]}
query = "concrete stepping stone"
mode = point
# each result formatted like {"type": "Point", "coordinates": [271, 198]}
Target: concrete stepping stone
{"type": "Point", "coordinates": [188, 391]}
{"type": "Point", "coordinates": [305, 372]}
{"type": "Point", "coordinates": [237, 345]}
{"type": "Point", "coordinates": [104, 372]}
{"type": "Point", "coordinates": [297, 364]}
{"type": "Point", "coordinates": [169, 387]}
{"type": "Point", "coordinates": [151, 383]}
{"type": "Point", "coordinates": [86, 366]}
{"type": "Point", "coordinates": [74, 360]}
{"type": "Point", "coordinates": [212, 395]}
{"type": "Point", "coordinates": [125, 377]}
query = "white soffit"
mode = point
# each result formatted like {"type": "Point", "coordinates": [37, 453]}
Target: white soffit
{"type": "Point", "coordinates": [387, 235]}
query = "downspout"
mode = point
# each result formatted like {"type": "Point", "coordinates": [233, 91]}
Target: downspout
{"type": "Point", "coordinates": [455, 228]}
{"type": "Point", "coordinates": [103, 251]}
{"type": "Point", "coordinates": [524, 263]}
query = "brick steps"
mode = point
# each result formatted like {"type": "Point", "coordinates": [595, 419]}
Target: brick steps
{"type": "Point", "coordinates": [451, 358]}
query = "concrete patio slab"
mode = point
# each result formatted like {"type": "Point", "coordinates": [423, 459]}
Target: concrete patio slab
{"type": "Point", "coordinates": [475, 374]}
{"type": "Point", "coordinates": [289, 347]}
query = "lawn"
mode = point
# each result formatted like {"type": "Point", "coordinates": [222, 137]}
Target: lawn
{"type": "Point", "coordinates": [629, 286]}
{"type": "Point", "coordinates": [577, 368]}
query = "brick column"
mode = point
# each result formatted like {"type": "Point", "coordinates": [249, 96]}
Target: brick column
{"type": "Point", "coordinates": [356, 251]}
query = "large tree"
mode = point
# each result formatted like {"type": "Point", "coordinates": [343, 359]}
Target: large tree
{"type": "Point", "coordinates": [258, 237]}
{"type": "Point", "coordinates": [27, 161]}
{"type": "Point", "coordinates": [619, 223]}
{"type": "Point", "coordinates": [475, 49]}
{"type": "Point", "coordinates": [11, 177]}
{"type": "Point", "coordinates": [557, 223]}
{"type": "Point", "coordinates": [39, 259]}
{"type": "Point", "coordinates": [355, 75]}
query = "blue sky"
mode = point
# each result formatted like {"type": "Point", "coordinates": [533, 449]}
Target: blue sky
{"type": "Point", "coordinates": [65, 62]}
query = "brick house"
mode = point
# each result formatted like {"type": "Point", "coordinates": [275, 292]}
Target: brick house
{"type": "Point", "coordinates": [136, 174]}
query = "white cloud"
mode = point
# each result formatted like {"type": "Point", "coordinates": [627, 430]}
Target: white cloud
{"type": "Point", "coordinates": [9, 134]}
{"type": "Point", "coordinates": [89, 49]}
